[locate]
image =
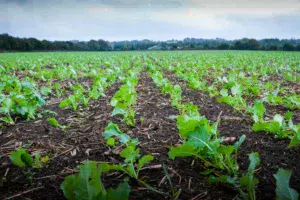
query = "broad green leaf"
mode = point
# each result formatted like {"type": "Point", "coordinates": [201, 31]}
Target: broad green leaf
{"type": "Point", "coordinates": [118, 111]}
{"type": "Point", "coordinates": [288, 116]}
{"type": "Point", "coordinates": [130, 154]}
{"type": "Point", "coordinates": [187, 124]}
{"type": "Point", "coordinates": [271, 127]}
{"type": "Point", "coordinates": [199, 137]}
{"type": "Point", "coordinates": [283, 190]}
{"type": "Point", "coordinates": [227, 150]}
{"type": "Point", "coordinates": [69, 187]}
{"type": "Point", "coordinates": [110, 142]}
{"type": "Point", "coordinates": [121, 193]}
{"type": "Point", "coordinates": [105, 167]}
{"type": "Point", "coordinates": [249, 181]}
{"type": "Point", "coordinates": [85, 185]}
{"type": "Point", "coordinates": [113, 130]}
{"type": "Point", "coordinates": [184, 150]}
{"type": "Point", "coordinates": [21, 158]}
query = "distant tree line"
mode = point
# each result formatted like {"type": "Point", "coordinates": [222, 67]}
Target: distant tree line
{"type": "Point", "coordinates": [10, 43]}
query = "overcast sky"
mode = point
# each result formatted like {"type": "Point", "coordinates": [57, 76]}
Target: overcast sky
{"type": "Point", "coordinates": [150, 19]}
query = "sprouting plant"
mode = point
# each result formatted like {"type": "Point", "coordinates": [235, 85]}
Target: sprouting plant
{"type": "Point", "coordinates": [7, 105]}
{"type": "Point", "coordinates": [54, 123]}
{"type": "Point", "coordinates": [281, 127]}
{"type": "Point", "coordinates": [175, 194]}
{"type": "Point", "coordinates": [70, 101]}
{"type": "Point", "coordinates": [245, 182]}
{"type": "Point", "coordinates": [133, 161]}
{"type": "Point", "coordinates": [202, 142]}
{"type": "Point", "coordinates": [112, 131]}
{"type": "Point", "coordinates": [123, 99]}
{"type": "Point", "coordinates": [21, 158]}
{"type": "Point", "coordinates": [57, 89]}
{"type": "Point", "coordinates": [87, 184]}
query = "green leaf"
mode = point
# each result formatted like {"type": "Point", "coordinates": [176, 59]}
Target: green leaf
{"type": "Point", "coordinates": [72, 100]}
{"type": "Point", "coordinates": [295, 141]}
{"type": "Point", "coordinates": [8, 120]}
{"type": "Point", "coordinates": [249, 181]}
{"type": "Point", "coordinates": [184, 150]}
{"type": "Point", "coordinates": [239, 143]}
{"type": "Point", "coordinates": [221, 179]}
{"type": "Point", "coordinates": [53, 122]}
{"type": "Point", "coordinates": [6, 105]}
{"type": "Point", "coordinates": [113, 130]}
{"type": "Point", "coordinates": [278, 118]}
{"type": "Point", "coordinates": [110, 142]}
{"type": "Point", "coordinates": [45, 90]}
{"type": "Point", "coordinates": [283, 190]}
{"type": "Point", "coordinates": [224, 92]}
{"type": "Point", "coordinates": [130, 154]}
{"type": "Point", "coordinates": [85, 185]}
{"type": "Point", "coordinates": [113, 102]}
{"type": "Point", "coordinates": [271, 127]}
{"type": "Point", "coordinates": [69, 187]}
{"type": "Point", "coordinates": [187, 124]}
{"type": "Point", "coordinates": [237, 89]}
{"type": "Point", "coordinates": [199, 137]}
{"type": "Point", "coordinates": [37, 163]}
{"type": "Point", "coordinates": [21, 158]}
{"type": "Point", "coordinates": [144, 160]}
{"type": "Point", "coordinates": [288, 116]}
{"type": "Point", "coordinates": [129, 117]}
{"type": "Point", "coordinates": [118, 111]}
{"type": "Point", "coordinates": [227, 150]}
{"type": "Point", "coordinates": [121, 193]}
{"type": "Point", "coordinates": [64, 103]}
{"type": "Point", "coordinates": [254, 161]}
{"type": "Point", "coordinates": [258, 111]}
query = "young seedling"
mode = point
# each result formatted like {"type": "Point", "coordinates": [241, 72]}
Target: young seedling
{"type": "Point", "coordinates": [54, 123]}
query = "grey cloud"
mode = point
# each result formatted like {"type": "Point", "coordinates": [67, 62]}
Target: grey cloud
{"type": "Point", "coordinates": [140, 19]}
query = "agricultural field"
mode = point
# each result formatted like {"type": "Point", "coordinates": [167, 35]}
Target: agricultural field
{"type": "Point", "coordinates": [150, 125]}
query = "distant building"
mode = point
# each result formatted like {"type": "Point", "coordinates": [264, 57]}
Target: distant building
{"type": "Point", "coordinates": [156, 47]}
{"type": "Point", "coordinates": [169, 45]}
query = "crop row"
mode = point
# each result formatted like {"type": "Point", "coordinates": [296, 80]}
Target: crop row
{"type": "Point", "coordinates": [243, 89]}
